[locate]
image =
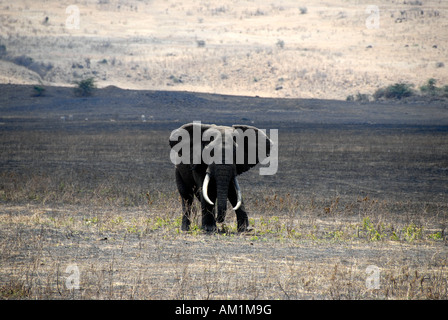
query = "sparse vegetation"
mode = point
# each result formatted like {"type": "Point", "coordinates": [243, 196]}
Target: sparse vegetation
{"type": "Point", "coordinates": [25, 61]}
{"type": "Point", "coordinates": [430, 89]}
{"type": "Point", "coordinates": [400, 91]}
{"type": "Point", "coordinates": [175, 80]}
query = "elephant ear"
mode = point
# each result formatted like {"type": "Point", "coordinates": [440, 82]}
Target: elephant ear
{"type": "Point", "coordinates": [189, 127]}
{"type": "Point", "coordinates": [251, 144]}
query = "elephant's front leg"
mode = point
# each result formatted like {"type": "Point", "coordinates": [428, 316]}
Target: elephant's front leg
{"type": "Point", "coordinates": [241, 214]}
{"type": "Point", "coordinates": [208, 212]}
{"type": "Point", "coordinates": [186, 213]}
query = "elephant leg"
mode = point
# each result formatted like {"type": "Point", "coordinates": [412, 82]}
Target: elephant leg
{"type": "Point", "coordinates": [187, 200]}
{"type": "Point", "coordinates": [186, 213]}
{"type": "Point", "coordinates": [241, 214]}
{"type": "Point", "coordinates": [208, 212]}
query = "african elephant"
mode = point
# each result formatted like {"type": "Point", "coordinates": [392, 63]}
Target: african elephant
{"type": "Point", "coordinates": [210, 166]}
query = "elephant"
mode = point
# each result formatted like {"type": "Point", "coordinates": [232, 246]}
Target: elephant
{"type": "Point", "coordinates": [211, 166]}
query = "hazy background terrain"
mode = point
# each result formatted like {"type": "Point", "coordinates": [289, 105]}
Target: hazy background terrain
{"type": "Point", "coordinates": [306, 49]}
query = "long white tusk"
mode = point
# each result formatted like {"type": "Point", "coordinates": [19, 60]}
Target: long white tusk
{"type": "Point", "coordinates": [238, 191]}
{"type": "Point", "coordinates": [205, 189]}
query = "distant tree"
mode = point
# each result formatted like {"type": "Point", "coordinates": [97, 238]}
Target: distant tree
{"type": "Point", "coordinates": [85, 88]}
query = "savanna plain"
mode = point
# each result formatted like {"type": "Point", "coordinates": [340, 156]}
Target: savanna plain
{"type": "Point", "coordinates": [88, 192]}
{"type": "Point", "coordinates": [88, 203]}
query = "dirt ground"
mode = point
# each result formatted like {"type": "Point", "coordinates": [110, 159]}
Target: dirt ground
{"type": "Point", "coordinates": [89, 209]}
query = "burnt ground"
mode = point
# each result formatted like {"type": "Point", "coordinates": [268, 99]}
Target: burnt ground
{"type": "Point", "coordinates": [87, 181]}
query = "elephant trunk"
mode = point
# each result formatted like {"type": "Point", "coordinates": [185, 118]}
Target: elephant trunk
{"type": "Point", "coordinates": [224, 176]}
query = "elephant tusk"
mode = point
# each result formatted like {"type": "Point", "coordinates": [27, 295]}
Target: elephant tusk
{"type": "Point", "coordinates": [238, 191]}
{"type": "Point", "coordinates": [205, 189]}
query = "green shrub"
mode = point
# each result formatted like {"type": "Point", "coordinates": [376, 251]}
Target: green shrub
{"type": "Point", "coordinates": [280, 44]}
{"type": "Point", "coordinates": [362, 97]}
{"type": "Point", "coordinates": [39, 91]}
{"type": "Point", "coordinates": [430, 87]}
{"type": "Point", "coordinates": [85, 87]}
{"type": "Point", "coordinates": [200, 43]}
{"type": "Point", "coordinates": [396, 91]}
{"type": "Point", "coordinates": [445, 91]}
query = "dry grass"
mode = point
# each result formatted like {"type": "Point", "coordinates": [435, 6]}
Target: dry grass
{"type": "Point", "coordinates": [138, 254]}
{"type": "Point", "coordinates": [328, 52]}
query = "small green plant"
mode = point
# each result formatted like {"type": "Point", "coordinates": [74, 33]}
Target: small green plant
{"type": "Point", "coordinates": [394, 236]}
{"type": "Point", "coordinates": [412, 232]}
{"type": "Point", "coordinates": [91, 221]}
{"type": "Point", "coordinates": [436, 236]}
{"type": "Point", "coordinates": [118, 220]}
{"type": "Point", "coordinates": [336, 235]}
{"type": "Point", "coordinates": [132, 229]}
{"type": "Point", "coordinates": [195, 230]}
{"type": "Point", "coordinates": [373, 233]}
{"type": "Point", "coordinates": [85, 88]}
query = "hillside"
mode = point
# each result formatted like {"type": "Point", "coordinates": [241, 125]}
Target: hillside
{"type": "Point", "coordinates": [279, 49]}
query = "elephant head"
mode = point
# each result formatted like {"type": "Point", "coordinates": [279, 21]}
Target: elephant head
{"type": "Point", "coordinates": [213, 156]}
